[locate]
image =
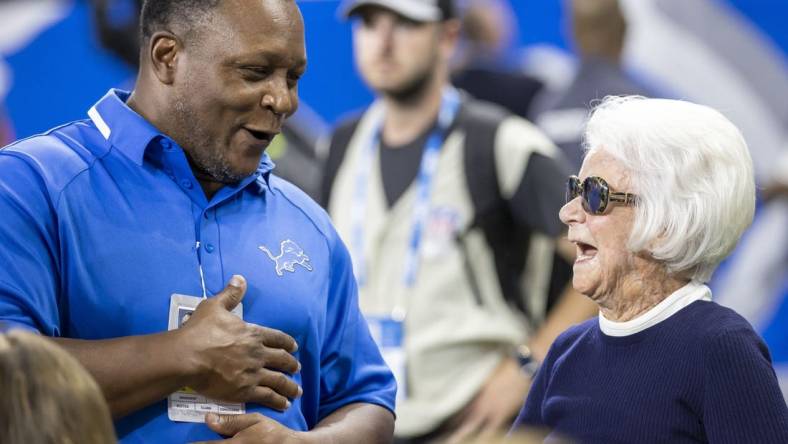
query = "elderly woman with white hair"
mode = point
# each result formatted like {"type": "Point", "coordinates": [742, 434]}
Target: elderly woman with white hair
{"type": "Point", "coordinates": [664, 193]}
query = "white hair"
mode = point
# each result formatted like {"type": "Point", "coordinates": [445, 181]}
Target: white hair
{"type": "Point", "coordinates": [692, 171]}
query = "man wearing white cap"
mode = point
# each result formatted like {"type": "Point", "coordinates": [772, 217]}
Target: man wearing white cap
{"type": "Point", "coordinates": [447, 228]}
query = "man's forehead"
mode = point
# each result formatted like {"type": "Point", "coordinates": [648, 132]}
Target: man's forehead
{"type": "Point", "coordinates": [270, 27]}
{"type": "Point", "coordinates": [258, 17]}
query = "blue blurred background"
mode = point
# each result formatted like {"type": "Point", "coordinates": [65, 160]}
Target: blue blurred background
{"type": "Point", "coordinates": [58, 69]}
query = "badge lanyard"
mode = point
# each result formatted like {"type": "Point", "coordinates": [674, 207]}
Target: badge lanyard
{"type": "Point", "coordinates": [199, 268]}
{"type": "Point", "coordinates": [450, 104]}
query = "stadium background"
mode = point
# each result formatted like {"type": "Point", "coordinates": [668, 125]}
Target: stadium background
{"type": "Point", "coordinates": [730, 54]}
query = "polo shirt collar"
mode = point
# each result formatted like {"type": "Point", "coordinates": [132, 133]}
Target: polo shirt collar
{"type": "Point", "coordinates": [263, 173]}
{"type": "Point", "coordinates": [122, 126]}
{"type": "Point", "coordinates": [130, 133]}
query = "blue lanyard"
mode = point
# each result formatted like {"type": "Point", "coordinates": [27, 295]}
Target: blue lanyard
{"type": "Point", "coordinates": [450, 104]}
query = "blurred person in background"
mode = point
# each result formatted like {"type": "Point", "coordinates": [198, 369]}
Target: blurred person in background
{"type": "Point", "coordinates": [597, 30]}
{"type": "Point", "coordinates": [5, 128]}
{"type": "Point", "coordinates": [777, 187]}
{"type": "Point", "coordinates": [117, 26]}
{"type": "Point", "coordinates": [6, 8]}
{"type": "Point", "coordinates": [665, 191]}
{"type": "Point", "coordinates": [480, 66]}
{"type": "Point", "coordinates": [117, 227]}
{"type": "Point", "coordinates": [48, 398]}
{"type": "Point", "coordinates": [448, 231]}
{"type": "Point", "coordinates": [763, 256]}
{"type": "Point", "coordinates": [293, 150]}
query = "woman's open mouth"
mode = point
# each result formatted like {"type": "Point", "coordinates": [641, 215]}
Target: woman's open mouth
{"type": "Point", "coordinates": [585, 252]}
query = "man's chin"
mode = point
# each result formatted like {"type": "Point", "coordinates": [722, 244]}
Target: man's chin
{"type": "Point", "coordinates": [407, 91]}
{"type": "Point", "coordinates": [387, 86]}
{"type": "Point", "coordinates": [392, 90]}
{"type": "Point", "coordinates": [234, 177]}
{"type": "Point", "coordinates": [225, 176]}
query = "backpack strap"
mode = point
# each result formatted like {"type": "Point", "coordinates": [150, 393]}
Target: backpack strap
{"type": "Point", "coordinates": [338, 146]}
{"type": "Point", "coordinates": [480, 123]}
{"type": "Point", "coordinates": [508, 241]}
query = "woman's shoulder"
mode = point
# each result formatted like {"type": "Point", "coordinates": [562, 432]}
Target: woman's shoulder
{"type": "Point", "coordinates": [572, 341]}
{"type": "Point", "coordinates": [742, 401]}
{"type": "Point", "coordinates": [575, 333]}
{"type": "Point", "coordinates": [711, 320]}
{"type": "Point", "coordinates": [721, 332]}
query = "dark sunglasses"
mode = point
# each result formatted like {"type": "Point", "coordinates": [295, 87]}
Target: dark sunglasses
{"type": "Point", "coordinates": [596, 194]}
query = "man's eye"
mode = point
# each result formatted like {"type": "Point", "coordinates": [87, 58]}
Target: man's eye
{"type": "Point", "coordinates": [256, 72]}
{"type": "Point", "coordinates": [405, 23]}
{"type": "Point", "coordinates": [293, 78]}
{"type": "Point", "coordinates": [366, 20]}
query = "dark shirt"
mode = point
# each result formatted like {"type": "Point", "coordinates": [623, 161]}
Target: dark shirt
{"type": "Point", "coordinates": [514, 91]}
{"type": "Point", "coordinates": [399, 166]}
{"type": "Point", "coordinates": [702, 375]}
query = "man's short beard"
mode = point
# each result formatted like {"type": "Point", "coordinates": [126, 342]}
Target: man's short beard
{"type": "Point", "coordinates": [210, 163]}
{"type": "Point", "coordinates": [414, 88]}
{"type": "Point", "coordinates": [206, 159]}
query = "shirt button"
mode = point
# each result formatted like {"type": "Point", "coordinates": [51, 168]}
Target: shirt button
{"type": "Point", "coordinates": [187, 184]}
{"type": "Point", "coordinates": [166, 144]}
{"type": "Point", "coordinates": [209, 248]}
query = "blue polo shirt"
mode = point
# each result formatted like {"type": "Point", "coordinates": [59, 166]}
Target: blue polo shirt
{"type": "Point", "coordinates": [101, 220]}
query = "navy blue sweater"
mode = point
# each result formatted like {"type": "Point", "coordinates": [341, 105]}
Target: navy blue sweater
{"type": "Point", "coordinates": [702, 375]}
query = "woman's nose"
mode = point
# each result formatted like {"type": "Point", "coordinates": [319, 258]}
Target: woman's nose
{"type": "Point", "coordinates": [572, 212]}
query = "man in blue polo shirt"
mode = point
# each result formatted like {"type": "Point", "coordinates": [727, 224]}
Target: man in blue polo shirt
{"type": "Point", "coordinates": [116, 227]}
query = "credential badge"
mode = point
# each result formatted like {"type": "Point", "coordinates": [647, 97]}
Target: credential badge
{"type": "Point", "coordinates": [290, 255]}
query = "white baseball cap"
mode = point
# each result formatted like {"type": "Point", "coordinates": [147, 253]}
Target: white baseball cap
{"type": "Point", "coordinates": [416, 10]}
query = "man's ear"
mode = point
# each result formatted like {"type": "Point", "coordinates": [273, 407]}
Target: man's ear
{"type": "Point", "coordinates": [450, 35]}
{"type": "Point", "coordinates": [163, 55]}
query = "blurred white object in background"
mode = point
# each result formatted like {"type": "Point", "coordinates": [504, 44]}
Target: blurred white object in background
{"type": "Point", "coordinates": [706, 52]}
{"type": "Point", "coordinates": [20, 22]}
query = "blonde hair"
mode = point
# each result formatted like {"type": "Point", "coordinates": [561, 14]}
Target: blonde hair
{"type": "Point", "coordinates": [47, 396]}
{"type": "Point", "coordinates": [692, 171]}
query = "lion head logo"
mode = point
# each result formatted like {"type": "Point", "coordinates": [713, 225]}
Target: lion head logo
{"type": "Point", "coordinates": [290, 255]}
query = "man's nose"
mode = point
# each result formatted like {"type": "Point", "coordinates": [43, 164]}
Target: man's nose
{"type": "Point", "coordinates": [279, 98]}
{"type": "Point", "coordinates": [385, 35]}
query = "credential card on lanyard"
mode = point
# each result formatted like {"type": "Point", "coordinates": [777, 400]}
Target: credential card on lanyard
{"type": "Point", "coordinates": [388, 335]}
{"type": "Point", "coordinates": [388, 332]}
{"type": "Point", "coordinates": [186, 405]}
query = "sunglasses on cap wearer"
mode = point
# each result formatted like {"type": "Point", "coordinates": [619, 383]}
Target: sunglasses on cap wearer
{"type": "Point", "coordinates": [596, 194]}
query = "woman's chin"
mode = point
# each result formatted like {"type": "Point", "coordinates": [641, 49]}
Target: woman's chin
{"type": "Point", "coordinates": [584, 284]}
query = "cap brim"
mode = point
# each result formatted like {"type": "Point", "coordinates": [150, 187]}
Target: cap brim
{"type": "Point", "coordinates": [414, 10]}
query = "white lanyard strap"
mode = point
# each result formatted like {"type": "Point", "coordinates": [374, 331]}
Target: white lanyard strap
{"type": "Point", "coordinates": [450, 104]}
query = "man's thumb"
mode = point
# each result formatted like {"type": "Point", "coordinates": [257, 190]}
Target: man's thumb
{"type": "Point", "coordinates": [233, 293]}
{"type": "Point", "coordinates": [230, 425]}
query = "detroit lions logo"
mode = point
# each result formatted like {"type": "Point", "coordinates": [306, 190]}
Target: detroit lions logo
{"type": "Point", "coordinates": [290, 255]}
